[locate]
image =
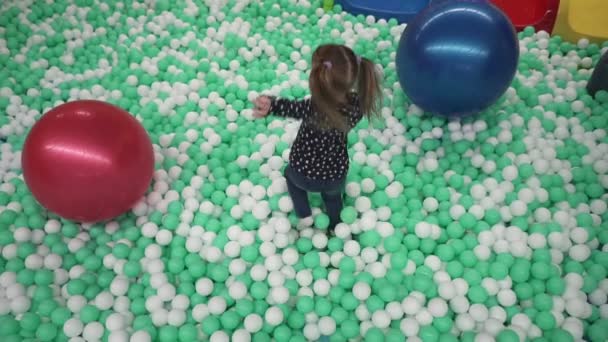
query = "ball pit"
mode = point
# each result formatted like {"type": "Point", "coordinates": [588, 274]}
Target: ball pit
{"type": "Point", "coordinates": [493, 228]}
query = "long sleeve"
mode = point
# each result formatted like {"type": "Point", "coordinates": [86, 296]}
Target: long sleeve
{"type": "Point", "coordinates": [290, 108]}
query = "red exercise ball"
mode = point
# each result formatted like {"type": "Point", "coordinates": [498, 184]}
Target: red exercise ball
{"type": "Point", "coordinates": [88, 161]}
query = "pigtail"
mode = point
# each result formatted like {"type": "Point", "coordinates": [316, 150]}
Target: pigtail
{"type": "Point", "coordinates": [326, 98]}
{"type": "Point", "coordinates": [369, 88]}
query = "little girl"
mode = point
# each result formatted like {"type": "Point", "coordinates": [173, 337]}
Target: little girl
{"type": "Point", "coordinates": [343, 88]}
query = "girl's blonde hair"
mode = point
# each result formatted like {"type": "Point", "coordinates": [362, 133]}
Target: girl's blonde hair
{"type": "Point", "coordinates": [336, 71]}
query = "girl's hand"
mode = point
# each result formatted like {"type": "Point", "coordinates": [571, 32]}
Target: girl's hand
{"type": "Point", "coordinates": [261, 106]}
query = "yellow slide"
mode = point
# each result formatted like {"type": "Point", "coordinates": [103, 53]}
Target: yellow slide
{"type": "Point", "coordinates": [577, 19]}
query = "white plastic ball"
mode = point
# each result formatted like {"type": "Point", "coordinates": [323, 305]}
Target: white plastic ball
{"type": "Point", "coordinates": [446, 290]}
{"type": "Point", "coordinates": [381, 319]}
{"type": "Point", "coordinates": [115, 322]}
{"type": "Point", "coordinates": [217, 305]}
{"type": "Point", "coordinates": [241, 335]}
{"type": "Point", "coordinates": [424, 317]}
{"type": "Point", "coordinates": [437, 307]}
{"type": "Point", "coordinates": [204, 286]}
{"type": "Point", "coordinates": [479, 312]}
{"type": "Point", "coordinates": [273, 316]}
{"type": "Point", "coordinates": [219, 336]}
{"type": "Point", "coordinates": [327, 326]}
{"type": "Point", "coordinates": [73, 327]}
{"type": "Point", "coordinates": [93, 331]}
{"type": "Point", "coordinates": [140, 336]}
{"type": "Point", "coordinates": [411, 305]}
{"type": "Point", "coordinates": [409, 327]}
{"type": "Point", "coordinates": [464, 322]}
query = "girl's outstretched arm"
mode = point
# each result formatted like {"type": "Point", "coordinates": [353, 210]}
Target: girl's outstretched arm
{"type": "Point", "coordinates": [297, 109]}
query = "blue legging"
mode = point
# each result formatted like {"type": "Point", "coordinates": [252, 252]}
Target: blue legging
{"type": "Point", "coordinates": [331, 191]}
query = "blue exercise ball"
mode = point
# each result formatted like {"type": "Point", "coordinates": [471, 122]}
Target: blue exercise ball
{"type": "Point", "coordinates": [457, 58]}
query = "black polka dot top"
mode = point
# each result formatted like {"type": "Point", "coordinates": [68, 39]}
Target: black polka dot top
{"type": "Point", "coordinates": [317, 153]}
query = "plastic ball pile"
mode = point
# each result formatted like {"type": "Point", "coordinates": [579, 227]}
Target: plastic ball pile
{"type": "Point", "coordinates": [489, 228]}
